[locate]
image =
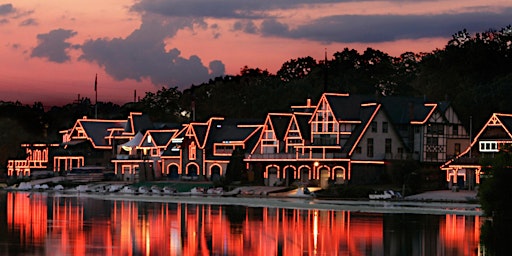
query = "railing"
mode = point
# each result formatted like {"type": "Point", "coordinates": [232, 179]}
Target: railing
{"type": "Point", "coordinates": [299, 156]}
{"type": "Point", "coordinates": [434, 148]}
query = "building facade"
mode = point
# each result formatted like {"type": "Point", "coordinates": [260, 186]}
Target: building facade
{"type": "Point", "coordinates": [339, 139]}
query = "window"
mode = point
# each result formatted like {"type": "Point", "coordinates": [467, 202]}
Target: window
{"type": "Point", "coordinates": [431, 156]}
{"type": "Point", "coordinates": [455, 129]}
{"type": "Point", "coordinates": [192, 151]}
{"type": "Point", "coordinates": [457, 149]}
{"type": "Point", "coordinates": [488, 146]}
{"type": "Point", "coordinates": [432, 141]}
{"type": "Point", "coordinates": [388, 146]}
{"type": "Point", "coordinates": [374, 126]}
{"type": "Point", "coordinates": [369, 147]}
{"type": "Point", "coordinates": [385, 127]}
{"type": "Point", "coordinates": [436, 129]}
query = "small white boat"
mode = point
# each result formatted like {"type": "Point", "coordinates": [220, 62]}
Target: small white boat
{"type": "Point", "coordinates": [58, 188]}
{"type": "Point", "coordinates": [385, 195]}
{"type": "Point", "coordinates": [114, 188]}
{"type": "Point", "coordinates": [215, 191]}
{"type": "Point", "coordinates": [142, 190]}
{"type": "Point", "coordinates": [168, 191]}
{"type": "Point", "coordinates": [302, 192]}
{"type": "Point", "coordinates": [156, 189]}
{"type": "Point", "coordinates": [197, 191]}
{"type": "Point", "coordinates": [127, 190]}
{"type": "Point", "coordinates": [24, 186]}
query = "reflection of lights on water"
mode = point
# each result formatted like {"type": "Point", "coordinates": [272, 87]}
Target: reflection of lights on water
{"type": "Point", "coordinates": [183, 230]}
{"type": "Point", "coordinates": [315, 230]}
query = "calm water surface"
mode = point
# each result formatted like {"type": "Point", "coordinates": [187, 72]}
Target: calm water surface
{"type": "Point", "coordinates": [44, 224]}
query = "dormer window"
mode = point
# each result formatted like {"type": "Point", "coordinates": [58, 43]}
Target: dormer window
{"type": "Point", "coordinates": [488, 146]}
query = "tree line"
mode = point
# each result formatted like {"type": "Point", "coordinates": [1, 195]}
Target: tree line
{"type": "Point", "coordinates": [473, 72]}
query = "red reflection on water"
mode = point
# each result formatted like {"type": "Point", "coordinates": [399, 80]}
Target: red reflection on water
{"type": "Point", "coordinates": [72, 227]}
{"type": "Point", "coordinates": [458, 232]}
{"type": "Point", "coordinates": [26, 215]}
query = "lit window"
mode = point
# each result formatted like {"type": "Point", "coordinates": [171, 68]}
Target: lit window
{"type": "Point", "coordinates": [192, 151]}
{"type": "Point", "coordinates": [488, 146]}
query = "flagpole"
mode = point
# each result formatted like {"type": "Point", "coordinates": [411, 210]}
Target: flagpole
{"type": "Point", "coordinates": [96, 92]}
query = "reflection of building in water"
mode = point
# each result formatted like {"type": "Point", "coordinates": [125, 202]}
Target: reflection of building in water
{"type": "Point", "coordinates": [81, 226]}
{"type": "Point", "coordinates": [27, 217]}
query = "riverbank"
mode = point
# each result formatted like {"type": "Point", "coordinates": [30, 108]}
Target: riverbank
{"type": "Point", "coordinates": [369, 206]}
{"type": "Point", "coordinates": [432, 202]}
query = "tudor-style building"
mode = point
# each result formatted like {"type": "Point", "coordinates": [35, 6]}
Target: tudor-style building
{"type": "Point", "coordinates": [338, 140]}
{"type": "Point", "coordinates": [342, 138]}
{"type": "Point", "coordinates": [465, 170]}
{"type": "Point", "coordinates": [140, 158]}
{"type": "Point", "coordinates": [92, 142]}
{"type": "Point", "coordinates": [204, 149]}
{"type": "Point", "coordinates": [431, 131]}
{"type": "Point", "coordinates": [351, 137]}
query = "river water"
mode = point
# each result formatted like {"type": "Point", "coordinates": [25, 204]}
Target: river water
{"type": "Point", "coordinates": [52, 224]}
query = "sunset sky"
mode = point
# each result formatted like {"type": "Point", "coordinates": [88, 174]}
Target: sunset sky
{"type": "Point", "coordinates": [51, 50]}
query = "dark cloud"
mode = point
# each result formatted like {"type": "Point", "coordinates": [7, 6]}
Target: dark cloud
{"type": "Point", "coordinates": [217, 68]}
{"type": "Point", "coordinates": [6, 9]}
{"type": "Point", "coordinates": [272, 27]}
{"type": "Point", "coordinates": [143, 54]}
{"type": "Point", "coordinates": [53, 45]}
{"type": "Point", "coordinates": [246, 26]}
{"type": "Point", "coordinates": [337, 28]}
{"type": "Point", "coordinates": [221, 8]}
{"type": "Point", "coordinates": [29, 22]}
{"type": "Point", "coordinates": [383, 28]}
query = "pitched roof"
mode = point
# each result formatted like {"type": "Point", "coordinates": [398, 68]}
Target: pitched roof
{"type": "Point", "coordinates": [303, 123]}
{"type": "Point", "coordinates": [137, 122]}
{"type": "Point", "coordinates": [280, 123]}
{"type": "Point", "coordinates": [404, 110]}
{"type": "Point", "coordinates": [97, 130]}
{"type": "Point", "coordinates": [498, 127]}
{"type": "Point", "coordinates": [159, 138]}
{"type": "Point", "coordinates": [366, 115]}
{"type": "Point", "coordinates": [345, 107]}
{"type": "Point", "coordinates": [230, 131]}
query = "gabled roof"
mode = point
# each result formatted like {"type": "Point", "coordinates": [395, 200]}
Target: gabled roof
{"type": "Point", "coordinates": [345, 107]}
{"type": "Point", "coordinates": [404, 110]}
{"type": "Point", "coordinates": [159, 138]}
{"type": "Point", "coordinates": [137, 122]}
{"type": "Point", "coordinates": [135, 141]}
{"type": "Point", "coordinates": [280, 123]}
{"type": "Point", "coordinates": [303, 124]}
{"type": "Point", "coordinates": [199, 131]}
{"type": "Point", "coordinates": [366, 115]}
{"type": "Point", "coordinates": [231, 132]}
{"type": "Point", "coordinates": [497, 128]}
{"type": "Point", "coordinates": [96, 130]}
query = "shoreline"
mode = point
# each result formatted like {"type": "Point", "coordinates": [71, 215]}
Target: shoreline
{"type": "Point", "coordinates": [367, 206]}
